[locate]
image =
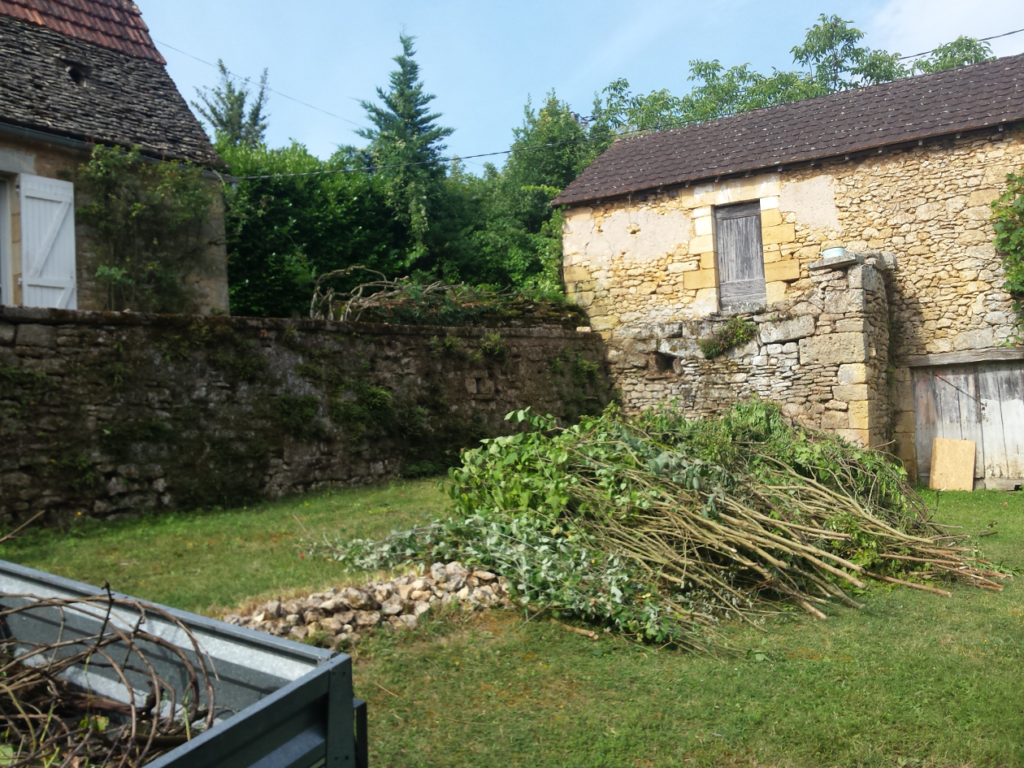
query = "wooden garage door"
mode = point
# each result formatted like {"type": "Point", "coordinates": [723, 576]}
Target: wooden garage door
{"type": "Point", "coordinates": [983, 402]}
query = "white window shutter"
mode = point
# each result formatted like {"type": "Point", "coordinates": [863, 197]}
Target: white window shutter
{"type": "Point", "coordinates": [47, 243]}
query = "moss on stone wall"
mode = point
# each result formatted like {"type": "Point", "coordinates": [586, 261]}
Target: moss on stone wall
{"type": "Point", "coordinates": [122, 414]}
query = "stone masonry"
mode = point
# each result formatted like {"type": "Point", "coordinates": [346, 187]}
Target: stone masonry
{"type": "Point", "coordinates": [822, 356]}
{"type": "Point", "coordinates": [107, 414]}
{"type": "Point", "coordinates": [646, 262]}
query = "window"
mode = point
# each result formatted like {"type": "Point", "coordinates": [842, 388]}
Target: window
{"type": "Point", "coordinates": [740, 255]}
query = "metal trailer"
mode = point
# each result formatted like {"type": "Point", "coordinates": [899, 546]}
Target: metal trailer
{"type": "Point", "coordinates": [279, 704]}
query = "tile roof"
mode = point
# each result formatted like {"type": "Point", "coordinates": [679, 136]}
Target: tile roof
{"type": "Point", "coordinates": [962, 99]}
{"type": "Point", "coordinates": [116, 98]}
{"type": "Point", "coordinates": [113, 24]}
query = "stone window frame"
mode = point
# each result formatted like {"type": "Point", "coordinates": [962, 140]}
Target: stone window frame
{"type": "Point", "coordinates": [775, 232]}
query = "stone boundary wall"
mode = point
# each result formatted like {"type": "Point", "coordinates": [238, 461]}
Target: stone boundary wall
{"type": "Point", "coordinates": [824, 356]}
{"type": "Point", "coordinates": [106, 414]}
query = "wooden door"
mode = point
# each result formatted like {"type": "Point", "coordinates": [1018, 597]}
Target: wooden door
{"type": "Point", "coordinates": [983, 402]}
{"type": "Point", "coordinates": [48, 242]}
{"type": "Point", "coordinates": [740, 255]}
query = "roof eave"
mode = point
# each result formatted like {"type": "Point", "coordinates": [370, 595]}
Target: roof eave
{"type": "Point", "coordinates": [562, 199]}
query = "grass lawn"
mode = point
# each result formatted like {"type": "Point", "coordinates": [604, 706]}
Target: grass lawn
{"type": "Point", "coordinates": [912, 680]}
{"type": "Point", "coordinates": [211, 561]}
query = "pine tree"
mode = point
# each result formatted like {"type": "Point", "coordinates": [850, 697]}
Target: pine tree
{"type": "Point", "coordinates": [406, 149]}
{"type": "Point", "coordinates": [224, 109]}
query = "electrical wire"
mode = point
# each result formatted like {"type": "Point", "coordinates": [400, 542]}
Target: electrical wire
{"type": "Point", "coordinates": [251, 82]}
{"type": "Point", "coordinates": [660, 126]}
{"type": "Point", "coordinates": [980, 40]}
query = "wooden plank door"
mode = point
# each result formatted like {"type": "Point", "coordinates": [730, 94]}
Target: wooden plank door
{"type": "Point", "coordinates": [1001, 389]}
{"type": "Point", "coordinates": [48, 243]}
{"type": "Point", "coordinates": [946, 404]}
{"type": "Point", "coordinates": [983, 402]}
{"type": "Point", "coordinates": [740, 255]}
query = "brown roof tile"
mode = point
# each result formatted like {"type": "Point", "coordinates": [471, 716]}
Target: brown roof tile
{"type": "Point", "coordinates": [113, 24]}
{"type": "Point", "coordinates": [962, 99]}
{"type": "Point", "coordinates": [124, 100]}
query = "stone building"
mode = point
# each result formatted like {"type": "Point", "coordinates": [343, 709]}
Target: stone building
{"type": "Point", "coordinates": [899, 339]}
{"type": "Point", "coordinates": [75, 73]}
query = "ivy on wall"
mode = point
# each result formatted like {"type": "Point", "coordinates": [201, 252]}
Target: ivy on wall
{"type": "Point", "coordinates": [148, 221]}
{"type": "Point", "coordinates": [1008, 222]}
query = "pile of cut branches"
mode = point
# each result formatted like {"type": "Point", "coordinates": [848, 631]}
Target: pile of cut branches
{"type": "Point", "coordinates": [347, 295]}
{"type": "Point", "coordinates": [49, 714]}
{"type": "Point", "coordinates": [661, 527]}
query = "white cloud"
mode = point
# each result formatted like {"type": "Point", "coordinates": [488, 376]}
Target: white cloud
{"type": "Point", "coordinates": [913, 26]}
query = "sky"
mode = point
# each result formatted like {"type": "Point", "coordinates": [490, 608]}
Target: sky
{"type": "Point", "coordinates": [484, 59]}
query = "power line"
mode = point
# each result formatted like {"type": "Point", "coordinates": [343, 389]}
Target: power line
{"type": "Point", "coordinates": [980, 40]}
{"type": "Point", "coordinates": [667, 124]}
{"type": "Point", "coordinates": [374, 168]}
{"type": "Point", "coordinates": [250, 81]}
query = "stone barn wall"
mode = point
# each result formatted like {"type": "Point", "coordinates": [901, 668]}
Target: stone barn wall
{"type": "Point", "coordinates": [824, 357]}
{"type": "Point", "coordinates": [645, 262]}
{"type": "Point", "coordinates": [114, 413]}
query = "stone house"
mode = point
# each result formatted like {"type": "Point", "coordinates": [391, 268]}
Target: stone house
{"type": "Point", "coordinates": [899, 339]}
{"type": "Point", "coordinates": [74, 73]}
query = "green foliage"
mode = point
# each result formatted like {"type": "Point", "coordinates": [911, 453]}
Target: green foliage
{"type": "Point", "coordinates": [734, 333]}
{"type": "Point", "coordinates": [406, 147]}
{"type": "Point", "coordinates": [962, 51]}
{"type": "Point", "coordinates": [1008, 222]}
{"type": "Point", "coordinates": [449, 345]}
{"type": "Point", "coordinates": [224, 109]}
{"type": "Point", "coordinates": [398, 206]}
{"type": "Point", "coordinates": [905, 670]}
{"type": "Point", "coordinates": [117, 373]}
{"type": "Point", "coordinates": [365, 410]}
{"type": "Point", "coordinates": [494, 346]}
{"type": "Point", "coordinates": [552, 509]}
{"type": "Point", "coordinates": [832, 60]}
{"type": "Point", "coordinates": [299, 416]}
{"type": "Point", "coordinates": [282, 232]}
{"type": "Point", "coordinates": [148, 221]}
{"type": "Point", "coordinates": [835, 61]}
{"type": "Point", "coordinates": [518, 240]}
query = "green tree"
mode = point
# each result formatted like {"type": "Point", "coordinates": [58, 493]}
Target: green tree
{"type": "Point", "coordinates": [284, 231]}
{"type": "Point", "coordinates": [835, 61]}
{"type": "Point", "coordinates": [406, 150]}
{"type": "Point", "coordinates": [962, 51]}
{"type": "Point", "coordinates": [520, 241]}
{"type": "Point", "coordinates": [224, 108]}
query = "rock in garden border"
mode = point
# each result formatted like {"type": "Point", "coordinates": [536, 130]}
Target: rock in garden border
{"type": "Point", "coordinates": [345, 614]}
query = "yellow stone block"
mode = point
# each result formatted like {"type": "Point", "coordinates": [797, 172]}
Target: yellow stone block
{"type": "Point", "coordinates": [982, 197]}
{"type": "Point", "coordinates": [576, 274]}
{"type": "Point", "coordinates": [702, 226]}
{"type": "Point", "coordinates": [861, 437]}
{"type": "Point", "coordinates": [776, 291]}
{"type": "Point", "coordinates": [703, 278]}
{"type": "Point", "coordinates": [771, 218]}
{"type": "Point", "coordinates": [782, 270]}
{"type": "Point", "coordinates": [860, 414]}
{"type": "Point", "coordinates": [783, 233]}
{"type": "Point", "coordinates": [702, 244]}
{"type": "Point", "coordinates": [707, 261]}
